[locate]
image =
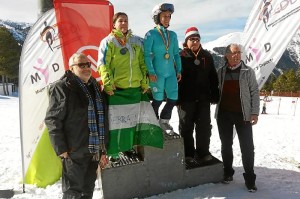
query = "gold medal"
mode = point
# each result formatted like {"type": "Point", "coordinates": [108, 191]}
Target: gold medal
{"type": "Point", "coordinates": [167, 56]}
{"type": "Point", "coordinates": [166, 42]}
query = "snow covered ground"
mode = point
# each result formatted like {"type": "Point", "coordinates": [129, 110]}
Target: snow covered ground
{"type": "Point", "coordinates": [277, 157]}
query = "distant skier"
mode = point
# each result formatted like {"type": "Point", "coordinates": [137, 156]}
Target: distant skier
{"type": "Point", "coordinates": [264, 108]}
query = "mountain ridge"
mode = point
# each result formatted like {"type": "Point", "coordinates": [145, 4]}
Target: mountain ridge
{"type": "Point", "coordinates": [290, 58]}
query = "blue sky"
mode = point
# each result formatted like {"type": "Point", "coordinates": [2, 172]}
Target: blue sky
{"type": "Point", "coordinates": [213, 18]}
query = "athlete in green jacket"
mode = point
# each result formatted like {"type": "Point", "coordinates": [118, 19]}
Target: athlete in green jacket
{"type": "Point", "coordinates": [121, 58]}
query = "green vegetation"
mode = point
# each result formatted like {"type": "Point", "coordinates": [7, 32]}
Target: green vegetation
{"type": "Point", "coordinates": [289, 81]}
{"type": "Point", "coordinates": [10, 52]}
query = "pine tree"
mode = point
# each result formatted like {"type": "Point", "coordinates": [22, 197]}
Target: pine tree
{"type": "Point", "coordinates": [291, 81]}
{"type": "Point", "coordinates": [10, 52]}
{"type": "Point", "coordinates": [269, 83]}
{"type": "Point", "coordinates": [280, 84]}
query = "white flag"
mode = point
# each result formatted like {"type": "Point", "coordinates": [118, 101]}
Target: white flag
{"type": "Point", "coordinates": [269, 29]}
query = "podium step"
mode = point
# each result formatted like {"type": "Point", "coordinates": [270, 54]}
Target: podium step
{"type": "Point", "coordinates": [153, 171]}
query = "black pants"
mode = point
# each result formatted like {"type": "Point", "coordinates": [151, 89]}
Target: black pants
{"type": "Point", "coordinates": [78, 178]}
{"type": "Point", "coordinates": [225, 121]}
{"type": "Point", "coordinates": [166, 112]}
{"type": "Point", "coordinates": [195, 115]}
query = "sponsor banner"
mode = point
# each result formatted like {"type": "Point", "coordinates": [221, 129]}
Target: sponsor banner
{"type": "Point", "coordinates": [269, 29]}
{"type": "Point", "coordinates": [82, 25]}
{"type": "Point", "coordinates": [41, 64]}
{"type": "Point", "coordinates": [73, 26]}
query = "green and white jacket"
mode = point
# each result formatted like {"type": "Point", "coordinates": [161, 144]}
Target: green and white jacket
{"type": "Point", "coordinates": [122, 70]}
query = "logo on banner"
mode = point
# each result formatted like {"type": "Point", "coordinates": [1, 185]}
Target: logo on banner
{"type": "Point", "coordinates": [265, 13]}
{"type": "Point", "coordinates": [255, 53]}
{"type": "Point", "coordinates": [43, 70]}
{"type": "Point", "coordinates": [49, 35]}
{"type": "Point", "coordinates": [42, 73]}
{"type": "Point", "coordinates": [269, 10]}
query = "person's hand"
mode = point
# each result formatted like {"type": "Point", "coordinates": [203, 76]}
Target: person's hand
{"type": "Point", "coordinates": [178, 77]}
{"type": "Point", "coordinates": [112, 91]}
{"type": "Point", "coordinates": [145, 90]}
{"type": "Point", "coordinates": [103, 161]}
{"type": "Point", "coordinates": [254, 119]}
{"type": "Point", "coordinates": [64, 155]}
{"type": "Point", "coordinates": [152, 78]}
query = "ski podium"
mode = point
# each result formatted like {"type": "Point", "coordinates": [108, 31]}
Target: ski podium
{"type": "Point", "coordinates": [154, 171]}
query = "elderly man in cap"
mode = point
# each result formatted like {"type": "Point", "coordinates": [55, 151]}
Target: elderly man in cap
{"type": "Point", "coordinates": [198, 88]}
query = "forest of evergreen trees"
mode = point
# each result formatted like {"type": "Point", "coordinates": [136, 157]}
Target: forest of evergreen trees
{"type": "Point", "coordinates": [288, 82]}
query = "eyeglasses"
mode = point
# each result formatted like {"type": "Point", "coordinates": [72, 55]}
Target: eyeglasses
{"type": "Point", "coordinates": [83, 65]}
{"type": "Point", "coordinates": [235, 53]}
{"type": "Point", "coordinates": [167, 7]}
{"type": "Point", "coordinates": [192, 39]}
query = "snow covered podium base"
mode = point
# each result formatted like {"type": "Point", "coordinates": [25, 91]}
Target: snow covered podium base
{"type": "Point", "coordinates": [158, 171]}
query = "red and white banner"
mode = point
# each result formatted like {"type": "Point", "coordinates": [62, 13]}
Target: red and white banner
{"type": "Point", "coordinates": [82, 24]}
{"type": "Point", "coordinates": [73, 26]}
{"type": "Point", "coordinates": [269, 29]}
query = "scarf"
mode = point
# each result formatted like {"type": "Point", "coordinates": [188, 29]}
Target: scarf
{"type": "Point", "coordinates": [95, 119]}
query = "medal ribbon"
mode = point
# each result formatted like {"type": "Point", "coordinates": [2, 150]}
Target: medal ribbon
{"type": "Point", "coordinates": [121, 42]}
{"type": "Point", "coordinates": [166, 43]}
{"type": "Point", "coordinates": [196, 54]}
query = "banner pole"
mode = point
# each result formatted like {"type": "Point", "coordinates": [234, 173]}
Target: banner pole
{"type": "Point", "coordinates": [21, 138]}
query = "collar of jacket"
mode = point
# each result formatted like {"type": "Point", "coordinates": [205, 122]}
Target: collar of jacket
{"type": "Point", "coordinates": [71, 82]}
{"type": "Point", "coordinates": [162, 28]}
{"type": "Point", "coordinates": [120, 35]}
{"type": "Point", "coordinates": [186, 52]}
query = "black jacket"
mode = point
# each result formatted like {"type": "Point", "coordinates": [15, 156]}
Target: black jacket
{"type": "Point", "coordinates": [198, 82]}
{"type": "Point", "coordinates": [67, 117]}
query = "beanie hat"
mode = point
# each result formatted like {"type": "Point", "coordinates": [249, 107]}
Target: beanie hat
{"type": "Point", "coordinates": [191, 31]}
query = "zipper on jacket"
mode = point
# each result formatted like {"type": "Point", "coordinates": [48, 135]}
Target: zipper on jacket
{"type": "Point", "coordinates": [130, 64]}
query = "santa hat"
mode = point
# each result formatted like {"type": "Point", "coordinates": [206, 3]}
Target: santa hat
{"type": "Point", "coordinates": [191, 31]}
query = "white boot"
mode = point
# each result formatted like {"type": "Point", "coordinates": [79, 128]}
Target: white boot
{"type": "Point", "coordinates": [166, 127]}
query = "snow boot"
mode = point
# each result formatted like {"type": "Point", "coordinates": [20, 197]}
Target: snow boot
{"type": "Point", "coordinates": [250, 182]}
{"type": "Point", "coordinates": [227, 179]}
{"type": "Point", "coordinates": [166, 127]}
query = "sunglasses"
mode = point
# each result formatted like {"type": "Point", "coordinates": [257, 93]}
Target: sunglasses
{"type": "Point", "coordinates": [194, 39]}
{"type": "Point", "coordinates": [83, 65]}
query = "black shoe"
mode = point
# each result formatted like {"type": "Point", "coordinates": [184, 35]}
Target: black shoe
{"type": "Point", "coordinates": [227, 179]}
{"type": "Point", "coordinates": [250, 181]}
{"type": "Point", "coordinates": [189, 160]}
{"type": "Point", "coordinates": [251, 188]}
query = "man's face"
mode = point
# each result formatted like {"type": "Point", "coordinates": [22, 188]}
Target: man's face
{"type": "Point", "coordinates": [82, 69]}
{"type": "Point", "coordinates": [234, 57]}
{"type": "Point", "coordinates": [193, 43]}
